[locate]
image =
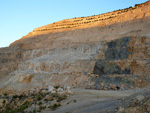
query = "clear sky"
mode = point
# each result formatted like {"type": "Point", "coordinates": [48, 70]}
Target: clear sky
{"type": "Point", "coordinates": [19, 17]}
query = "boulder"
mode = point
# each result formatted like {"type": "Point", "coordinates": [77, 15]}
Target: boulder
{"type": "Point", "coordinates": [50, 88]}
{"type": "Point", "coordinates": [140, 97]}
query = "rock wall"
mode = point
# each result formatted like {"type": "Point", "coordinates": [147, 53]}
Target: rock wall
{"type": "Point", "coordinates": [126, 62]}
{"type": "Point", "coordinates": [123, 61]}
{"type": "Point", "coordinates": [71, 55]}
{"type": "Point", "coordinates": [56, 66]}
{"type": "Point", "coordinates": [9, 58]}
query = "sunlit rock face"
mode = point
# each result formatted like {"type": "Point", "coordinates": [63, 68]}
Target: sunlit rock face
{"type": "Point", "coordinates": [128, 14]}
{"type": "Point", "coordinates": [114, 46]}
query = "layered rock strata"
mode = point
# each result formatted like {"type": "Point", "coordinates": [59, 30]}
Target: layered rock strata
{"type": "Point", "coordinates": [67, 56]}
{"type": "Point", "coordinates": [138, 11]}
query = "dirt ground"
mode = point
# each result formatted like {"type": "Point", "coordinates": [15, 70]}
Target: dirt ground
{"type": "Point", "coordinates": [100, 101]}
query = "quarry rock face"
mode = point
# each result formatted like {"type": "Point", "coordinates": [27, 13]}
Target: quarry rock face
{"type": "Point", "coordinates": [126, 62]}
{"type": "Point", "coordinates": [114, 46]}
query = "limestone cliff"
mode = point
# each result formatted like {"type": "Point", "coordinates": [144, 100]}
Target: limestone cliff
{"type": "Point", "coordinates": [114, 46]}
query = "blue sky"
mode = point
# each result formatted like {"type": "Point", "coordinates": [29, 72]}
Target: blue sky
{"type": "Point", "coordinates": [19, 17]}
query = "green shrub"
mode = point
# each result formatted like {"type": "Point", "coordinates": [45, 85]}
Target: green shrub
{"type": "Point", "coordinates": [39, 103]}
{"type": "Point", "coordinates": [46, 99]}
{"type": "Point", "coordinates": [22, 96]}
{"type": "Point", "coordinates": [15, 96]}
{"type": "Point", "coordinates": [4, 101]}
{"type": "Point", "coordinates": [44, 107]}
{"type": "Point", "coordinates": [34, 111]}
{"type": "Point", "coordinates": [39, 111]}
{"type": "Point", "coordinates": [5, 94]}
{"type": "Point", "coordinates": [74, 100]}
{"type": "Point", "coordinates": [56, 87]}
{"type": "Point", "coordinates": [39, 97]}
{"type": "Point", "coordinates": [55, 106]}
{"type": "Point", "coordinates": [56, 95]}
{"type": "Point", "coordinates": [23, 107]}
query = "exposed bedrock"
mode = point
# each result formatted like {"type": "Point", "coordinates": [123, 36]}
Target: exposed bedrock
{"type": "Point", "coordinates": [115, 46]}
{"type": "Point", "coordinates": [123, 61]}
{"type": "Point", "coordinates": [60, 66]}
{"type": "Point", "coordinates": [126, 62]}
